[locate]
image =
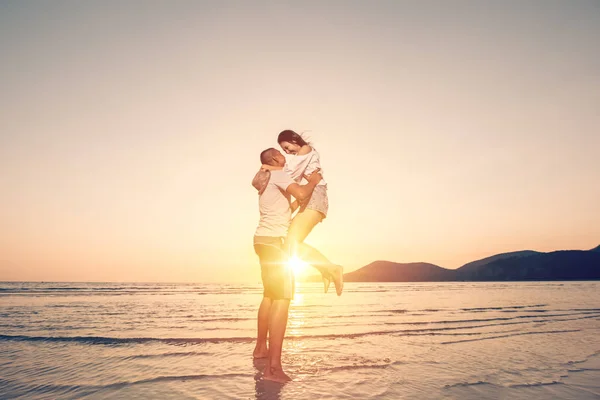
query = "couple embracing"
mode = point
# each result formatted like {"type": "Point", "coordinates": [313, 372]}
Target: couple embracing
{"type": "Point", "coordinates": [280, 237]}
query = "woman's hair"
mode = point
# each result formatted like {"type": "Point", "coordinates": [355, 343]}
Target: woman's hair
{"type": "Point", "coordinates": [292, 137]}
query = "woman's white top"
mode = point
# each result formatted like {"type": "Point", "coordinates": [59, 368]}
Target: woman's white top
{"type": "Point", "coordinates": [306, 164]}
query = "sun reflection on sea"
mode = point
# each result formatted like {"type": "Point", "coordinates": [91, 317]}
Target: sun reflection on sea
{"type": "Point", "coordinates": [297, 316]}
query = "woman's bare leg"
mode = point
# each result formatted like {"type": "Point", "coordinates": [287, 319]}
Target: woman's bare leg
{"type": "Point", "coordinates": [301, 226]}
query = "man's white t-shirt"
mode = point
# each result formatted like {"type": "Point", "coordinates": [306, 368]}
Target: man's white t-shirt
{"type": "Point", "coordinates": [274, 205]}
{"type": "Point", "coordinates": [306, 164]}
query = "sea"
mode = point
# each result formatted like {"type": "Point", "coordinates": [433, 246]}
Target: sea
{"type": "Point", "coordinates": [452, 340]}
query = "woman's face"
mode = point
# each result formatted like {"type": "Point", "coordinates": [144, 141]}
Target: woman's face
{"type": "Point", "coordinates": [290, 148]}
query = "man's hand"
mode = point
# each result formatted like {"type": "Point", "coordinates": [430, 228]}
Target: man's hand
{"type": "Point", "coordinates": [302, 193]}
{"type": "Point", "coordinates": [294, 206]}
{"type": "Point", "coordinates": [267, 167]}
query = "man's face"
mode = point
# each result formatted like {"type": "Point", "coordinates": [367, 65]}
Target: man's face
{"type": "Point", "coordinates": [278, 158]}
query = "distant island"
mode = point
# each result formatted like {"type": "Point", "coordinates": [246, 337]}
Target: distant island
{"type": "Point", "coordinates": [524, 265]}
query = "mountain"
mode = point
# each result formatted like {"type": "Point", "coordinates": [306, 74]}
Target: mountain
{"type": "Point", "coordinates": [557, 265]}
{"type": "Point", "coordinates": [474, 265]}
{"type": "Point", "coordinates": [387, 271]}
{"type": "Point", "coordinates": [514, 266]}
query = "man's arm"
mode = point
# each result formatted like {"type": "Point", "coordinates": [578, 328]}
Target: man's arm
{"type": "Point", "coordinates": [268, 167]}
{"type": "Point", "coordinates": [294, 206]}
{"type": "Point", "coordinates": [261, 179]}
{"type": "Point", "coordinates": [303, 192]}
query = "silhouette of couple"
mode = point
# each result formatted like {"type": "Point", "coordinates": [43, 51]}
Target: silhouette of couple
{"type": "Point", "coordinates": [279, 237]}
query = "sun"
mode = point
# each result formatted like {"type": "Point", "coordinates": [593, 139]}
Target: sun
{"type": "Point", "coordinates": [298, 266]}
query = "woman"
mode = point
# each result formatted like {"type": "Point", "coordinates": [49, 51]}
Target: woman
{"type": "Point", "coordinates": [302, 161]}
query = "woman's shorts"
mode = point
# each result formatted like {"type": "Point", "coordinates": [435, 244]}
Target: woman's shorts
{"type": "Point", "coordinates": [318, 201]}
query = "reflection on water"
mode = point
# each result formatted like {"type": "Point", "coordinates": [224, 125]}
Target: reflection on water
{"type": "Point", "coordinates": [297, 316]}
{"type": "Point", "coordinates": [265, 390]}
{"type": "Point", "coordinates": [413, 340]}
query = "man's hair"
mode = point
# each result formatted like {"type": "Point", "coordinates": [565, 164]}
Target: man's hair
{"type": "Point", "coordinates": [266, 157]}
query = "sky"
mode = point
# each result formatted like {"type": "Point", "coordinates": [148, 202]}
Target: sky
{"type": "Point", "coordinates": [448, 131]}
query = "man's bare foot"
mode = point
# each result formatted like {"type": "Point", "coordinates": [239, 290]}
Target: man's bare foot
{"type": "Point", "coordinates": [260, 352]}
{"type": "Point", "coordinates": [276, 375]}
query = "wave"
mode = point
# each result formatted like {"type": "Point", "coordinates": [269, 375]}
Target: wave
{"type": "Point", "coordinates": [537, 384]}
{"type": "Point", "coordinates": [583, 369]}
{"type": "Point", "coordinates": [24, 390]}
{"type": "Point", "coordinates": [513, 334]}
{"type": "Point", "coordinates": [346, 316]}
{"type": "Point", "coordinates": [225, 319]}
{"type": "Point", "coordinates": [102, 340]}
{"type": "Point", "coordinates": [172, 354]}
{"type": "Point", "coordinates": [171, 378]}
{"type": "Point", "coordinates": [446, 327]}
{"type": "Point", "coordinates": [40, 289]}
{"type": "Point", "coordinates": [502, 308]}
{"type": "Point", "coordinates": [521, 308]}
{"type": "Point", "coordinates": [472, 320]}
{"type": "Point", "coordinates": [467, 384]}
{"type": "Point", "coordinates": [404, 311]}
{"type": "Point", "coordinates": [355, 367]}
{"type": "Point", "coordinates": [440, 331]}
{"type": "Point", "coordinates": [465, 327]}
{"type": "Point", "coordinates": [83, 288]}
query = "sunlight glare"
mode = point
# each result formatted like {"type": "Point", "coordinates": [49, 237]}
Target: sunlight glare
{"type": "Point", "coordinates": [297, 265]}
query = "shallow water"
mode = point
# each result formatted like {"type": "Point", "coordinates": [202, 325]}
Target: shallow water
{"type": "Point", "coordinates": [379, 340]}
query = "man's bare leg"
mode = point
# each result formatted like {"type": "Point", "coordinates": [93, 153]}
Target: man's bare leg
{"type": "Point", "coordinates": [261, 351]}
{"type": "Point", "coordinates": [278, 316]}
{"type": "Point", "coordinates": [301, 226]}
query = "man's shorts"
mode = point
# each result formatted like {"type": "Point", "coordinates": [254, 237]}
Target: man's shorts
{"type": "Point", "coordinates": [277, 277]}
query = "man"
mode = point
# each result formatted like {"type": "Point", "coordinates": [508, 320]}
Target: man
{"type": "Point", "coordinates": [275, 188]}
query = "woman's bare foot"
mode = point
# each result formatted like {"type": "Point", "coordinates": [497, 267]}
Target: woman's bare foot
{"type": "Point", "coordinates": [326, 283]}
{"type": "Point", "coordinates": [335, 274]}
{"type": "Point", "coordinates": [260, 352]}
{"type": "Point", "coordinates": [276, 375]}
{"type": "Point", "coordinates": [338, 279]}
